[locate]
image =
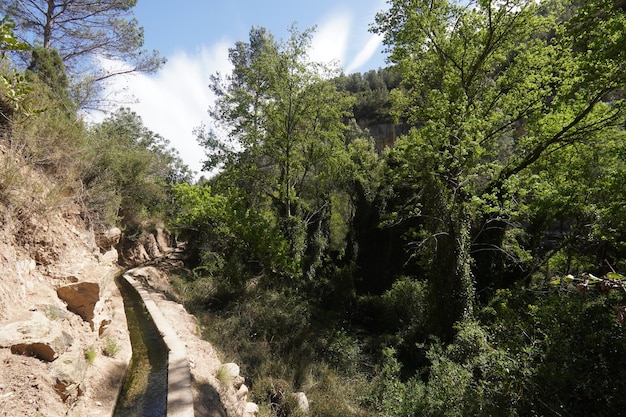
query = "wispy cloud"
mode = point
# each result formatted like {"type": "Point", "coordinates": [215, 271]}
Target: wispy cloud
{"type": "Point", "coordinates": [331, 39]}
{"type": "Point", "coordinates": [176, 99]}
{"type": "Point", "coordinates": [365, 54]}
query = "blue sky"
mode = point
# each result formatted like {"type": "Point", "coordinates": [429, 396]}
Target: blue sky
{"type": "Point", "coordinates": [193, 24]}
{"type": "Point", "coordinates": [194, 35]}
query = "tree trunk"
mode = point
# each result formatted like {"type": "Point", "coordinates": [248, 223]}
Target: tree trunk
{"type": "Point", "coordinates": [451, 283]}
{"type": "Point", "coordinates": [47, 29]}
{"type": "Point", "coordinates": [489, 256]}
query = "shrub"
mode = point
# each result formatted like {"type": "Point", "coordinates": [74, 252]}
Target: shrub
{"type": "Point", "coordinates": [90, 354]}
{"type": "Point", "coordinates": [111, 347]}
{"type": "Point", "coordinates": [342, 351]}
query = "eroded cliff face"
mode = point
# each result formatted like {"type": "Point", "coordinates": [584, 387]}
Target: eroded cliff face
{"type": "Point", "coordinates": [64, 345]}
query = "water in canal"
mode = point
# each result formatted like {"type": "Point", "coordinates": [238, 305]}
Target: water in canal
{"type": "Point", "coordinates": [144, 392]}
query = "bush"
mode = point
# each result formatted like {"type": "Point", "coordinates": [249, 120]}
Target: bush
{"type": "Point", "coordinates": [342, 351]}
{"type": "Point", "coordinates": [111, 347]}
{"type": "Point", "coordinates": [90, 354]}
{"type": "Point", "coordinates": [568, 351]}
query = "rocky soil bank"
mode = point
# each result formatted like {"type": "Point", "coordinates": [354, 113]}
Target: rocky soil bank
{"type": "Point", "coordinates": [64, 346]}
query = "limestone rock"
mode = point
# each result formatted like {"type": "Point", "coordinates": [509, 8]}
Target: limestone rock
{"type": "Point", "coordinates": [238, 381]}
{"type": "Point", "coordinates": [69, 373]}
{"type": "Point", "coordinates": [38, 337]}
{"type": "Point", "coordinates": [242, 392]}
{"type": "Point", "coordinates": [53, 312]}
{"type": "Point", "coordinates": [250, 410]}
{"type": "Point", "coordinates": [302, 401]}
{"type": "Point", "coordinates": [162, 240]}
{"type": "Point", "coordinates": [152, 247]}
{"type": "Point", "coordinates": [106, 240]}
{"type": "Point", "coordinates": [109, 257]}
{"type": "Point", "coordinates": [81, 298]}
{"type": "Point", "coordinates": [228, 372]}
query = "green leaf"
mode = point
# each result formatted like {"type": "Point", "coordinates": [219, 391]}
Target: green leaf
{"type": "Point", "coordinates": [616, 276]}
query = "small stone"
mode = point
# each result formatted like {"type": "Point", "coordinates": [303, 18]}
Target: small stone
{"type": "Point", "coordinates": [251, 409]}
{"type": "Point", "coordinates": [242, 392]}
{"type": "Point", "coordinates": [303, 402]}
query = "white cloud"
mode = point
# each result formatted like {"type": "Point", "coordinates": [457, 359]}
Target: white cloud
{"type": "Point", "coordinates": [365, 54]}
{"type": "Point", "coordinates": [175, 100]}
{"type": "Point", "coordinates": [330, 40]}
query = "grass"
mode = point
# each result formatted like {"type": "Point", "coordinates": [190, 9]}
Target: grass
{"type": "Point", "coordinates": [111, 347]}
{"type": "Point", "coordinates": [90, 354]}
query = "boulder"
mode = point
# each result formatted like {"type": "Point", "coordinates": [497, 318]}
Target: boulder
{"type": "Point", "coordinates": [38, 337]}
{"type": "Point", "coordinates": [228, 372]}
{"type": "Point", "coordinates": [81, 299]}
{"type": "Point", "coordinates": [108, 239]}
{"type": "Point", "coordinates": [69, 372]}
{"type": "Point", "coordinates": [250, 410]}
{"type": "Point", "coordinates": [302, 401]}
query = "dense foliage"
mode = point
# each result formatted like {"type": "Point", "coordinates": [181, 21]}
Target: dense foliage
{"type": "Point", "coordinates": [472, 268]}
{"type": "Point", "coordinates": [469, 270]}
{"type": "Point", "coordinates": [117, 172]}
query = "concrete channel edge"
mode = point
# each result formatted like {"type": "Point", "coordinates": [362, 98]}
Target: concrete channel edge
{"type": "Point", "coordinates": [179, 392]}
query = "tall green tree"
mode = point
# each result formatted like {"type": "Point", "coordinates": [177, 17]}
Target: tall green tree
{"type": "Point", "coordinates": [83, 31]}
{"type": "Point", "coordinates": [285, 125]}
{"type": "Point", "coordinates": [491, 88]}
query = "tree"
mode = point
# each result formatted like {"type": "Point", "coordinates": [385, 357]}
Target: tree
{"type": "Point", "coordinates": [13, 87]}
{"type": "Point", "coordinates": [48, 66]}
{"type": "Point", "coordinates": [371, 91]}
{"type": "Point", "coordinates": [130, 171]}
{"type": "Point", "coordinates": [490, 88]}
{"type": "Point", "coordinates": [285, 124]}
{"type": "Point", "coordinates": [84, 31]}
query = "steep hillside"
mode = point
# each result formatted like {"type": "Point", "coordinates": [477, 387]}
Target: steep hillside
{"type": "Point", "coordinates": [64, 344]}
{"type": "Point", "coordinates": [46, 253]}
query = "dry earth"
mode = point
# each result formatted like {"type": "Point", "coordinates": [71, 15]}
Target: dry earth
{"type": "Point", "coordinates": [38, 255]}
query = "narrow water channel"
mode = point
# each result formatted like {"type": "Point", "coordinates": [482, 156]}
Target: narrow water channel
{"type": "Point", "coordinates": [144, 392]}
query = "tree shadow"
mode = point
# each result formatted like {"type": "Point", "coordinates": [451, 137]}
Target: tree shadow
{"type": "Point", "coordinates": [207, 402]}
